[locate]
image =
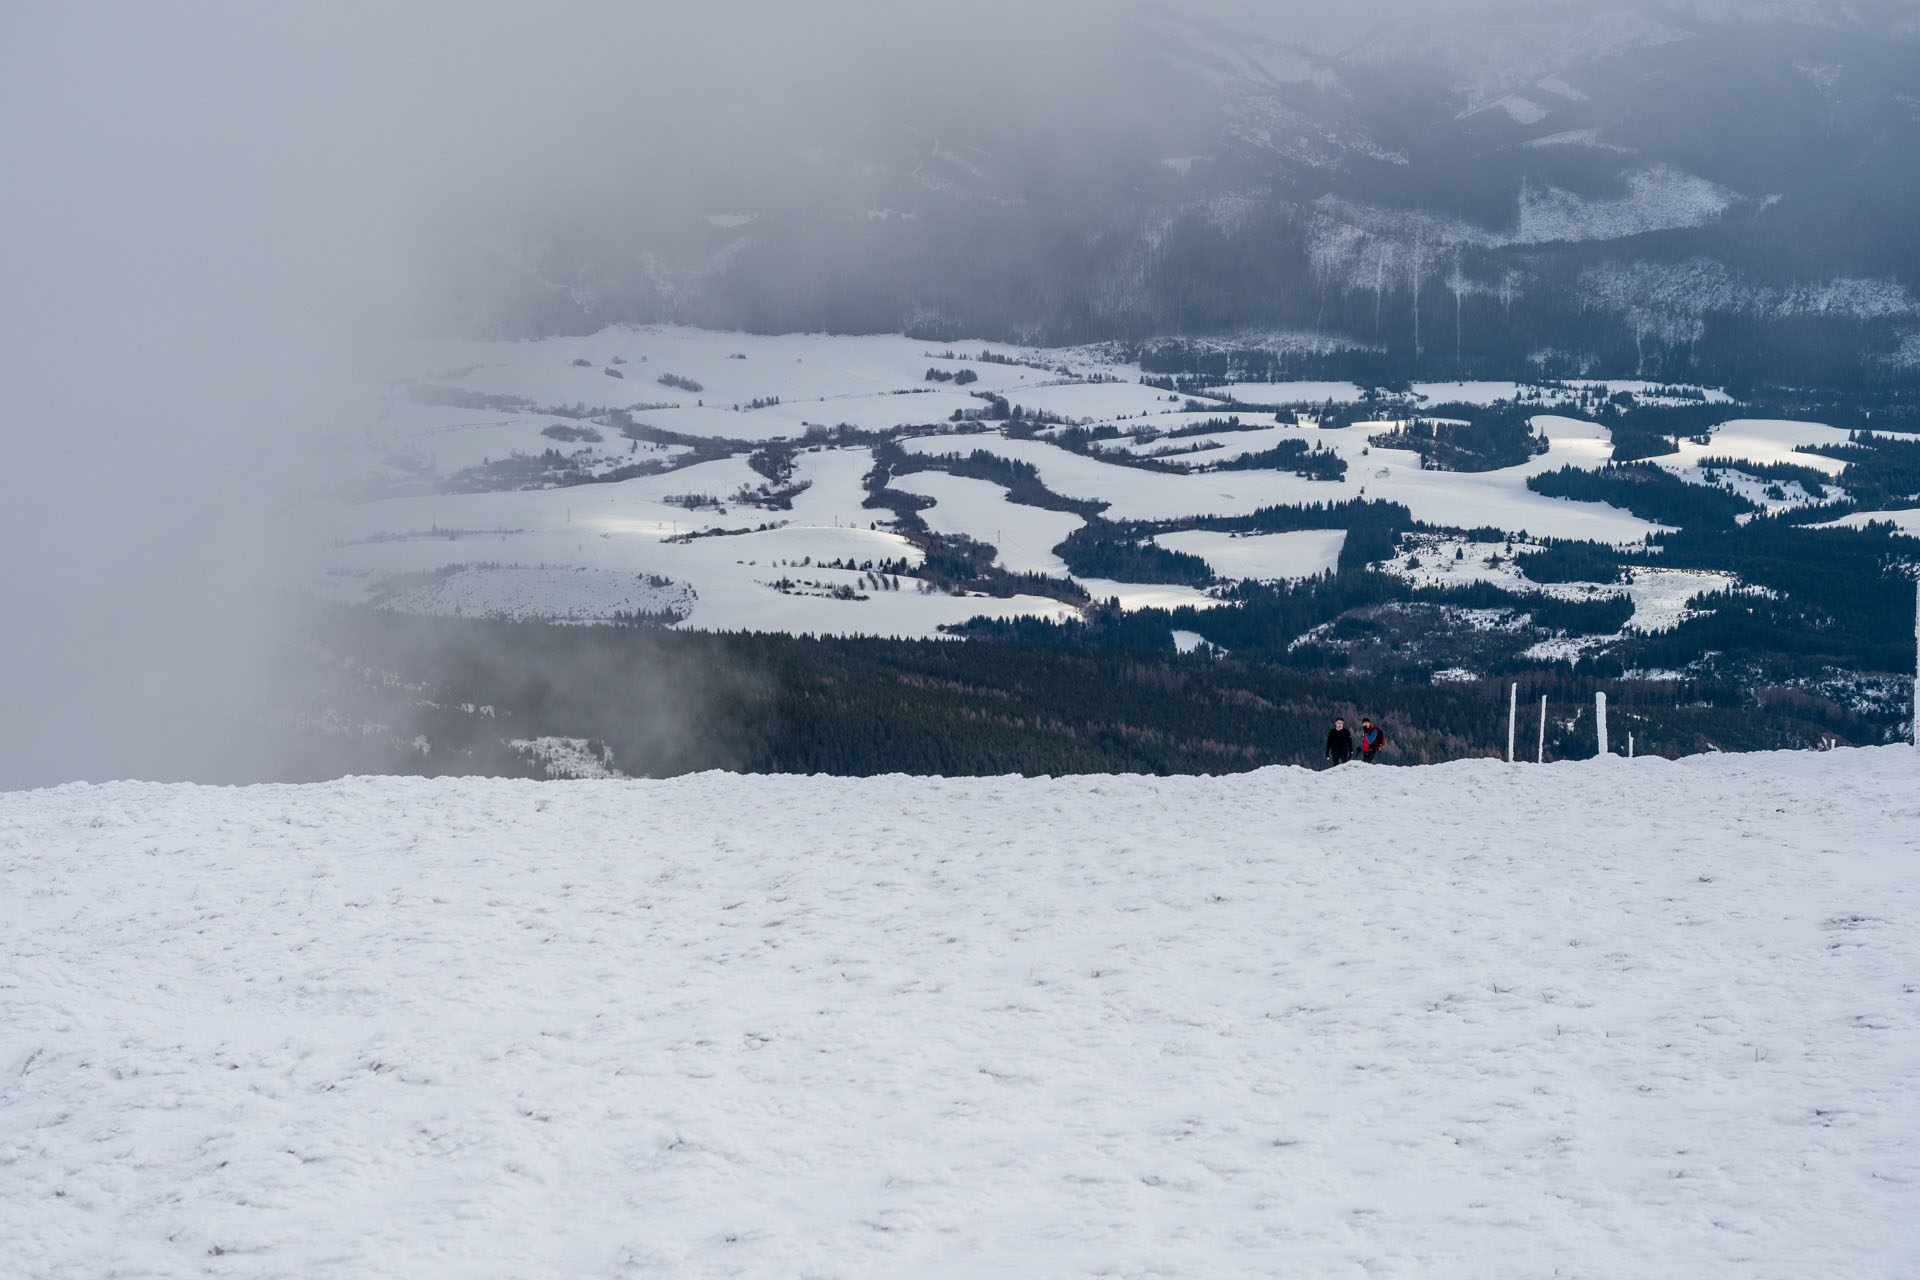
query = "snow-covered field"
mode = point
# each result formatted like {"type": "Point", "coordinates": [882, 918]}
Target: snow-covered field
{"type": "Point", "coordinates": [1025, 536]}
{"type": "Point", "coordinates": [1464, 499]}
{"type": "Point", "coordinates": [1633, 1019]}
{"type": "Point", "coordinates": [1907, 521]}
{"type": "Point", "coordinates": [1262, 556]}
{"type": "Point", "coordinates": [456, 485]}
{"type": "Point", "coordinates": [1307, 393]}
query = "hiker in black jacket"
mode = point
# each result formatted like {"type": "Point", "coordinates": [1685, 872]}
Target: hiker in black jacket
{"type": "Point", "coordinates": [1339, 743]}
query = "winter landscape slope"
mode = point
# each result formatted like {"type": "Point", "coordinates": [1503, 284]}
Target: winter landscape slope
{"type": "Point", "coordinates": [1621, 1018]}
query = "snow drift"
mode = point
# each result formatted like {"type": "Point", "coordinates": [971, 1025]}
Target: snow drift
{"type": "Point", "coordinates": [1635, 1019]}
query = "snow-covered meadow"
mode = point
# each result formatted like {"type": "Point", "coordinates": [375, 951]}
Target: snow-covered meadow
{"type": "Point", "coordinates": [1630, 1019]}
{"type": "Point", "coordinates": [457, 502]}
{"type": "Point", "coordinates": [1454, 498]}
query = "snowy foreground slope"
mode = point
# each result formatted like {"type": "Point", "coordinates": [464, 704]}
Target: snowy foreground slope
{"type": "Point", "coordinates": [1612, 1019]}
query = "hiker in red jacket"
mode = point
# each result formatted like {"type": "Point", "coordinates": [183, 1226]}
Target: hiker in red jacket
{"type": "Point", "coordinates": [1371, 740]}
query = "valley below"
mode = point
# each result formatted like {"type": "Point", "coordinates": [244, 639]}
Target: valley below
{"type": "Point", "coordinates": [1669, 542]}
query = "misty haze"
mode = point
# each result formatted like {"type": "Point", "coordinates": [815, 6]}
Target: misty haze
{"type": "Point", "coordinates": [1153, 637]}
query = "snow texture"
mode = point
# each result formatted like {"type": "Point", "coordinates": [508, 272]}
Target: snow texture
{"type": "Point", "coordinates": [1639, 1019]}
{"type": "Point", "coordinates": [1266, 557]}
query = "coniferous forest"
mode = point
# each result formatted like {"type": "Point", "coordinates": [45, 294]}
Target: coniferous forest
{"type": "Point", "coordinates": [448, 696]}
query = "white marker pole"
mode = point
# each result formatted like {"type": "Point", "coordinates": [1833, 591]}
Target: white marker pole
{"type": "Point", "coordinates": [1541, 756]}
{"type": "Point", "coordinates": [1600, 718]}
{"type": "Point", "coordinates": [1513, 713]}
{"type": "Point", "coordinates": [1629, 744]}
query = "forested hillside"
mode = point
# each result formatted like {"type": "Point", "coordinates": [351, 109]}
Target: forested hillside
{"type": "Point", "coordinates": [418, 695]}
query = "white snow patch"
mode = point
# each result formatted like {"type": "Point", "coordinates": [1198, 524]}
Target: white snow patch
{"type": "Point", "coordinates": [1149, 595]}
{"type": "Point", "coordinates": [1567, 649]}
{"type": "Point", "coordinates": [1658, 199]}
{"type": "Point", "coordinates": [567, 757]}
{"type": "Point", "coordinates": [1301, 393]}
{"type": "Point", "coordinates": [1482, 393]}
{"type": "Point", "coordinates": [1522, 110]}
{"type": "Point", "coordinates": [1904, 521]}
{"type": "Point", "coordinates": [1762, 441]}
{"type": "Point", "coordinates": [1189, 641]}
{"type": "Point", "coordinates": [1576, 138]}
{"type": "Point", "coordinates": [1265, 556]}
{"type": "Point", "coordinates": [1660, 595]}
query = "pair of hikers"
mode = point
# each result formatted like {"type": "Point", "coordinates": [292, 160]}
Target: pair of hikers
{"type": "Point", "coordinates": [1340, 743]}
